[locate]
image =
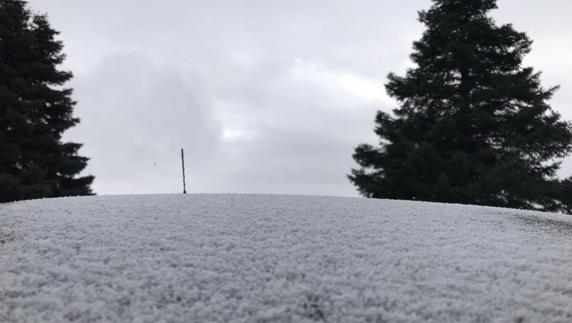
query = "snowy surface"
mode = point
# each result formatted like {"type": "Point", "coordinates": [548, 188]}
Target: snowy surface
{"type": "Point", "coordinates": [258, 258]}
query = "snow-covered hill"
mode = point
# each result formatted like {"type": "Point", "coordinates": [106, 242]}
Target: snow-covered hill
{"type": "Point", "coordinates": [259, 258]}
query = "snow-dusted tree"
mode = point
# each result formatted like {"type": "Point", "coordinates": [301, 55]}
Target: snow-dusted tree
{"type": "Point", "coordinates": [473, 125]}
{"type": "Point", "coordinates": [35, 110]}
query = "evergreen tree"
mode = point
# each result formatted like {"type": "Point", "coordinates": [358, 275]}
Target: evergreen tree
{"type": "Point", "coordinates": [473, 125]}
{"type": "Point", "coordinates": [35, 110]}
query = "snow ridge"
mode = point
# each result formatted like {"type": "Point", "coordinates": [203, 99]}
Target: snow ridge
{"type": "Point", "coordinates": [273, 258]}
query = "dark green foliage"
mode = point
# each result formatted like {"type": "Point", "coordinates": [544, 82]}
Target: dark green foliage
{"type": "Point", "coordinates": [473, 124]}
{"type": "Point", "coordinates": [35, 110]}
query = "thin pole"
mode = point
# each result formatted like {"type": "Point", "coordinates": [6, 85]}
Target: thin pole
{"type": "Point", "coordinates": [183, 164]}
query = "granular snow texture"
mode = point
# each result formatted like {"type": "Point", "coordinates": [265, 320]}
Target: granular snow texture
{"type": "Point", "coordinates": [260, 258]}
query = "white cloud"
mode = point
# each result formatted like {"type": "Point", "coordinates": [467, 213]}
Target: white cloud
{"type": "Point", "coordinates": [265, 96]}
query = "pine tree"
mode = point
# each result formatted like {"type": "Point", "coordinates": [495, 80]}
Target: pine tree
{"type": "Point", "coordinates": [473, 125]}
{"type": "Point", "coordinates": [35, 110]}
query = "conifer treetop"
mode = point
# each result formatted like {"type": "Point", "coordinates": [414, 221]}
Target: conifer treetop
{"type": "Point", "coordinates": [473, 124]}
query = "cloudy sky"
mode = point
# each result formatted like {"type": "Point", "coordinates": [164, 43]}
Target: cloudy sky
{"type": "Point", "coordinates": [265, 96]}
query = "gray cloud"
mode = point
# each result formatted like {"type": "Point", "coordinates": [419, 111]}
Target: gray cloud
{"type": "Point", "coordinates": [265, 96]}
{"type": "Point", "coordinates": [135, 115]}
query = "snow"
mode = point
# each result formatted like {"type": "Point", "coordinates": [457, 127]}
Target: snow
{"type": "Point", "coordinates": [272, 258]}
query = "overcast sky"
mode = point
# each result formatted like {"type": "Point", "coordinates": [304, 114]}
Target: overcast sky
{"type": "Point", "coordinates": [265, 96]}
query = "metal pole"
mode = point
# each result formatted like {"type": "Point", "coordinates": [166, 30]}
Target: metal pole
{"type": "Point", "coordinates": [183, 164]}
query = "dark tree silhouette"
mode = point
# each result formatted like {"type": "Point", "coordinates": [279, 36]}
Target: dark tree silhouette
{"type": "Point", "coordinates": [473, 125]}
{"type": "Point", "coordinates": [35, 110]}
